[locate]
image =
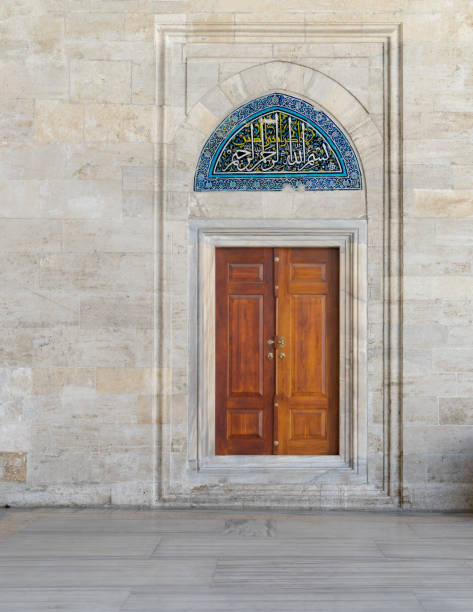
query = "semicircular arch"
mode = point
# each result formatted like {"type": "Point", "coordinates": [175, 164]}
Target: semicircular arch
{"type": "Point", "coordinates": [310, 85]}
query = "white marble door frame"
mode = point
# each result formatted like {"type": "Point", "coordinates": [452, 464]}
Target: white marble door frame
{"type": "Point", "coordinates": [350, 238]}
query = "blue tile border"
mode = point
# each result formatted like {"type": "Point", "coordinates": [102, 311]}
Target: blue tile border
{"type": "Point", "coordinates": [341, 172]}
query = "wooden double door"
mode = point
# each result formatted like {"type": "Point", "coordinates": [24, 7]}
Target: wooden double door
{"type": "Point", "coordinates": [277, 351]}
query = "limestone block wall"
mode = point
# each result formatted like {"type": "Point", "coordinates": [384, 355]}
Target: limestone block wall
{"type": "Point", "coordinates": [80, 386]}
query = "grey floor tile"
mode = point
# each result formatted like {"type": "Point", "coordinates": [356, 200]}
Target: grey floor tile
{"type": "Point", "coordinates": [444, 530]}
{"type": "Point", "coordinates": [288, 574]}
{"type": "Point", "coordinates": [330, 527]}
{"type": "Point", "coordinates": [316, 593]}
{"type": "Point", "coordinates": [41, 600]}
{"type": "Point", "coordinates": [105, 573]}
{"type": "Point", "coordinates": [428, 549]}
{"type": "Point", "coordinates": [114, 524]}
{"type": "Point", "coordinates": [265, 602]}
{"type": "Point", "coordinates": [199, 599]}
{"type": "Point", "coordinates": [445, 593]}
{"type": "Point", "coordinates": [447, 605]}
{"type": "Point", "coordinates": [30, 544]}
{"type": "Point", "coordinates": [440, 518]}
{"type": "Point", "coordinates": [180, 545]}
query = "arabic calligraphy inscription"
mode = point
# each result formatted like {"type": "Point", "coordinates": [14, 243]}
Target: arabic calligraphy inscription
{"type": "Point", "coordinates": [274, 141]}
{"type": "Point", "coordinates": [277, 142]}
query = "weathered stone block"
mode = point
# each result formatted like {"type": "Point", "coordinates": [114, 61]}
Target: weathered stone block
{"type": "Point", "coordinates": [104, 161]}
{"type": "Point", "coordinates": [19, 270]}
{"type": "Point", "coordinates": [98, 26]}
{"type": "Point", "coordinates": [450, 468]}
{"type": "Point", "coordinates": [34, 77]}
{"type": "Point", "coordinates": [105, 235]}
{"type": "Point", "coordinates": [135, 52]}
{"type": "Point", "coordinates": [30, 162]}
{"type": "Point", "coordinates": [58, 121]}
{"type": "Point", "coordinates": [24, 308]}
{"type": "Point", "coordinates": [44, 33]}
{"type": "Point", "coordinates": [419, 410]}
{"type": "Point", "coordinates": [139, 26]}
{"type": "Point", "coordinates": [41, 235]}
{"type": "Point", "coordinates": [119, 123]}
{"type": "Point", "coordinates": [439, 261]}
{"type": "Point", "coordinates": [47, 380]}
{"type": "Point", "coordinates": [456, 410]}
{"type": "Point", "coordinates": [111, 271]}
{"type": "Point", "coordinates": [441, 440]}
{"type": "Point", "coordinates": [117, 311]}
{"type": "Point", "coordinates": [138, 204]}
{"type": "Point", "coordinates": [143, 83]}
{"type": "Point", "coordinates": [202, 77]}
{"type": "Point", "coordinates": [427, 335]}
{"type": "Point", "coordinates": [443, 203]}
{"type": "Point", "coordinates": [138, 178]}
{"type": "Point", "coordinates": [453, 359]}
{"type": "Point", "coordinates": [16, 120]}
{"type": "Point", "coordinates": [126, 380]}
{"type": "Point", "coordinates": [78, 199]}
{"type": "Point", "coordinates": [13, 467]}
{"type": "Point", "coordinates": [100, 81]}
{"type": "Point", "coordinates": [454, 232]}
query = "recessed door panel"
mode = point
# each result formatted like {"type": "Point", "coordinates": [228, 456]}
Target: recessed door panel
{"type": "Point", "coordinates": [308, 338]}
{"type": "Point", "coordinates": [245, 340]}
{"type": "Point", "coordinates": [310, 272]}
{"type": "Point", "coordinates": [245, 424]}
{"type": "Point", "coordinates": [308, 425]}
{"type": "Point", "coordinates": [245, 272]}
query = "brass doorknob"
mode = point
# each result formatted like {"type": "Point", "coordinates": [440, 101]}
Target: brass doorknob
{"type": "Point", "coordinates": [282, 355]}
{"type": "Point", "coordinates": [270, 355]}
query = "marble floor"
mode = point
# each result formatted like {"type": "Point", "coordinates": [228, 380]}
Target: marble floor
{"type": "Point", "coordinates": [193, 561]}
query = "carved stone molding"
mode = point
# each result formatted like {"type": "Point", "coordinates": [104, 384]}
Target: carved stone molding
{"type": "Point", "coordinates": [189, 119]}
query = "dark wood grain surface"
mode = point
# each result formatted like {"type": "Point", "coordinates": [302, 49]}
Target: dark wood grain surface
{"type": "Point", "coordinates": [307, 379]}
{"type": "Point", "coordinates": [287, 404]}
{"type": "Point", "coordinates": [245, 319]}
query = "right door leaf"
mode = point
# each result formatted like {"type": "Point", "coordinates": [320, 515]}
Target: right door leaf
{"type": "Point", "coordinates": [308, 374]}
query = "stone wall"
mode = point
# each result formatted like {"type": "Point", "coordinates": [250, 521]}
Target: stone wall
{"type": "Point", "coordinates": [81, 415]}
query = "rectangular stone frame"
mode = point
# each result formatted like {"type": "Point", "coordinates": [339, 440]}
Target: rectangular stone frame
{"type": "Point", "coordinates": [350, 238]}
{"type": "Point", "coordinates": [176, 484]}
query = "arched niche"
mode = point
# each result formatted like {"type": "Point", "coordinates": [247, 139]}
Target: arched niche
{"type": "Point", "coordinates": [205, 219]}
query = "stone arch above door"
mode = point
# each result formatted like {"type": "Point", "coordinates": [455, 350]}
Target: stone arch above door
{"type": "Point", "coordinates": [303, 82]}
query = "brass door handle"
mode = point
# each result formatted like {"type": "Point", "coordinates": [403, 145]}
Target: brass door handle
{"type": "Point", "coordinates": [270, 355]}
{"type": "Point", "coordinates": [282, 355]}
{"type": "Point", "coordinates": [282, 341]}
